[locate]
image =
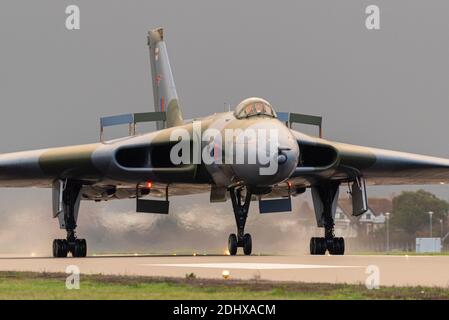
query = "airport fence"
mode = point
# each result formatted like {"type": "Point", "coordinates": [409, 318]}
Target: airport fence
{"type": "Point", "coordinates": [356, 245]}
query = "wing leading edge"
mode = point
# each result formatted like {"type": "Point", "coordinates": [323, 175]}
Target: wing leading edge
{"type": "Point", "coordinates": [377, 166]}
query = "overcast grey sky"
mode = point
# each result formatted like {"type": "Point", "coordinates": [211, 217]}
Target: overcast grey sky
{"type": "Point", "coordinates": [387, 88]}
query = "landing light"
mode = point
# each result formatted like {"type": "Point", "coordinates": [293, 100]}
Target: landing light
{"type": "Point", "coordinates": [442, 182]}
{"type": "Point", "coordinates": [225, 274]}
{"type": "Point", "coordinates": [227, 253]}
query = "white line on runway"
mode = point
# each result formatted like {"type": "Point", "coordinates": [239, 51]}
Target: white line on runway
{"type": "Point", "coordinates": [251, 266]}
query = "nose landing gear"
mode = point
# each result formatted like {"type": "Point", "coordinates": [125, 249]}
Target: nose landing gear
{"type": "Point", "coordinates": [241, 239]}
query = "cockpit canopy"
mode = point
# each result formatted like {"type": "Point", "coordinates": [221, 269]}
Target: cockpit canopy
{"type": "Point", "coordinates": [254, 107]}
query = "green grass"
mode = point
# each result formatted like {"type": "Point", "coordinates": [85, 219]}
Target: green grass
{"type": "Point", "coordinates": [27, 285]}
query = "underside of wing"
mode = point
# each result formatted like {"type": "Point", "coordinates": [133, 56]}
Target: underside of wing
{"type": "Point", "coordinates": [158, 190]}
{"type": "Point", "coordinates": [39, 168]}
{"type": "Point", "coordinates": [109, 166]}
{"type": "Point", "coordinates": [324, 159]}
{"type": "Point", "coordinates": [385, 167]}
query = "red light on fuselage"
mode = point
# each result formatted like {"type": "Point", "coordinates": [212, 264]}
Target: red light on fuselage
{"type": "Point", "coordinates": [149, 184]}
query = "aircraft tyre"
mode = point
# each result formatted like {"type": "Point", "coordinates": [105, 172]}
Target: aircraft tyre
{"type": "Point", "coordinates": [60, 248]}
{"type": "Point", "coordinates": [317, 246]}
{"type": "Point", "coordinates": [338, 246]}
{"type": "Point", "coordinates": [247, 244]}
{"type": "Point", "coordinates": [232, 244]}
{"type": "Point", "coordinates": [79, 249]}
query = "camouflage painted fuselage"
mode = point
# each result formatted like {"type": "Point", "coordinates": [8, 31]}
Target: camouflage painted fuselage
{"type": "Point", "coordinates": [114, 168]}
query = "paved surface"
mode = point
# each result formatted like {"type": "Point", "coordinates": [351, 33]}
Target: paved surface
{"type": "Point", "coordinates": [394, 270]}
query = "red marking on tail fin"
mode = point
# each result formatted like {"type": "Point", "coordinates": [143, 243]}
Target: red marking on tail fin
{"type": "Point", "coordinates": [158, 79]}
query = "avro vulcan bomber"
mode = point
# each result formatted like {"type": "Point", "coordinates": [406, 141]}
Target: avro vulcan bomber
{"type": "Point", "coordinates": [249, 154]}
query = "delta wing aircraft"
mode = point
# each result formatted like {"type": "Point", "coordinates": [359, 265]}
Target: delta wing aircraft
{"type": "Point", "coordinates": [165, 163]}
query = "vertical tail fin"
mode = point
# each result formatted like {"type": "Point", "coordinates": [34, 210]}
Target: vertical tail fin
{"type": "Point", "coordinates": [164, 90]}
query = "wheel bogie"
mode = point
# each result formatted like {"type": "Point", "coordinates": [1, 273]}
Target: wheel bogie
{"type": "Point", "coordinates": [319, 245]}
{"type": "Point", "coordinates": [61, 248]}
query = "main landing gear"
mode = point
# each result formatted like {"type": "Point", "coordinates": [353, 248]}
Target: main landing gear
{"type": "Point", "coordinates": [241, 239]}
{"type": "Point", "coordinates": [325, 198]}
{"type": "Point", "coordinates": [70, 204]}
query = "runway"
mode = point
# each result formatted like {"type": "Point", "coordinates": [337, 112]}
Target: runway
{"type": "Point", "coordinates": [393, 270]}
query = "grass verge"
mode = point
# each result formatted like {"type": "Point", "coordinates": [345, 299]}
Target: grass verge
{"type": "Point", "coordinates": [31, 285]}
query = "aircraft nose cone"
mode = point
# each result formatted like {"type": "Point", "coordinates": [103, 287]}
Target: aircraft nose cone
{"type": "Point", "coordinates": [283, 158]}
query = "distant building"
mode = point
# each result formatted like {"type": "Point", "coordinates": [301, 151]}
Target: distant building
{"type": "Point", "coordinates": [347, 225]}
{"type": "Point", "coordinates": [344, 227]}
{"type": "Point", "coordinates": [368, 222]}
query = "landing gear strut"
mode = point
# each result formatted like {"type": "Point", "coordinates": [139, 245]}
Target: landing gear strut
{"type": "Point", "coordinates": [241, 239]}
{"type": "Point", "coordinates": [325, 197]}
{"type": "Point", "coordinates": [70, 203]}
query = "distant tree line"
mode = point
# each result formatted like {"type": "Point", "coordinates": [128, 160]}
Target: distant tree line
{"type": "Point", "coordinates": [410, 216]}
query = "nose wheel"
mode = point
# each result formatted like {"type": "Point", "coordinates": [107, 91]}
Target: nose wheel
{"type": "Point", "coordinates": [246, 243]}
{"type": "Point", "coordinates": [241, 239]}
